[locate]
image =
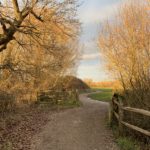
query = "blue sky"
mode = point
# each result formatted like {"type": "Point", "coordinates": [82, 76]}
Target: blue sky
{"type": "Point", "coordinates": [91, 14]}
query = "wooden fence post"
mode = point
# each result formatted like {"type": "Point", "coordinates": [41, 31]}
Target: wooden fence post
{"type": "Point", "coordinates": [112, 117]}
{"type": "Point", "coordinates": [77, 94]}
{"type": "Point", "coordinates": [118, 116]}
{"type": "Point", "coordinates": [111, 113]}
{"type": "Point", "coordinates": [120, 111]}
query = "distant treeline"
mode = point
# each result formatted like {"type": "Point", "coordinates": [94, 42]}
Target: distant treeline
{"type": "Point", "coordinates": [103, 84]}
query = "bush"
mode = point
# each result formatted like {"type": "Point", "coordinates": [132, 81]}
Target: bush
{"type": "Point", "coordinates": [7, 102]}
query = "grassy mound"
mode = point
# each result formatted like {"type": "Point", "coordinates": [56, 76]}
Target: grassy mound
{"type": "Point", "coordinates": [72, 82]}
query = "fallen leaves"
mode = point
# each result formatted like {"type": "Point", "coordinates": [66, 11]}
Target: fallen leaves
{"type": "Point", "coordinates": [17, 130]}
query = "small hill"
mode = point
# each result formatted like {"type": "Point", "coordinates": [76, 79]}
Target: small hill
{"type": "Point", "coordinates": [71, 82]}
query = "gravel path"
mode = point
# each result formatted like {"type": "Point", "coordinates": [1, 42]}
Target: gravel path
{"type": "Point", "coordinates": [83, 128]}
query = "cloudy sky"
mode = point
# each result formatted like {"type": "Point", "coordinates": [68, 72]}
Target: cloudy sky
{"type": "Point", "coordinates": [92, 13]}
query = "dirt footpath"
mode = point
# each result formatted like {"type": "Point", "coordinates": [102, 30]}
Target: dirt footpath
{"type": "Point", "coordinates": [83, 128]}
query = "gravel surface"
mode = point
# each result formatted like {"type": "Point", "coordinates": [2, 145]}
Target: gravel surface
{"type": "Point", "coordinates": [83, 128]}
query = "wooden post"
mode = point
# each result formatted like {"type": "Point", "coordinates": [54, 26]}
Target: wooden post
{"type": "Point", "coordinates": [111, 113]}
{"type": "Point", "coordinates": [112, 118]}
{"type": "Point", "coordinates": [77, 94]}
{"type": "Point", "coordinates": [120, 111]}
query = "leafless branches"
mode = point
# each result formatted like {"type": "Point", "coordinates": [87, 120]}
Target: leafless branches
{"type": "Point", "coordinates": [14, 17]}
{"type": "Point", "coordinates": [125, 44]}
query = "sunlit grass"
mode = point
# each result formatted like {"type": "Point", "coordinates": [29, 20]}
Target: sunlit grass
{"type": "Point", "coordinates": [104, 95]}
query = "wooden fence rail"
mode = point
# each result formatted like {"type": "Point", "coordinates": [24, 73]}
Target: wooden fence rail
{"type": "Point", "coordinates": [118, 111]}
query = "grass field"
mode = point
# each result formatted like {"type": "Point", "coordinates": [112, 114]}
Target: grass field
{"type": "Point", "coordinates": [103, 95]}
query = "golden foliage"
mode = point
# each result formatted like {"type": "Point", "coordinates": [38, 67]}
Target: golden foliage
{"type": "Point", "coordinates": [125, 44]}
{"type": "Point", "coordinates": [43, 51]}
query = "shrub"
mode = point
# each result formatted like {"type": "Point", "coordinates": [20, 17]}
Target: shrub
{"type": "Point", "coordinates": [7, 102]}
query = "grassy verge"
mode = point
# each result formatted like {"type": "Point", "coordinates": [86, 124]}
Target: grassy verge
{"type": "Point", "coordinates": [103, 89]}
{"type": "Point", "coordinates": [126, 143]}
{"type": "Point", "coordinates": [103, 95]}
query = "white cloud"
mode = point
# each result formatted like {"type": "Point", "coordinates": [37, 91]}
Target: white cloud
{"type": "Point", "coordinates": [90, 51]}
{"type": "Point", "coordinates": [94, 72]}
{"type": "Point", "coordinates": [90, 56]}
{"type": "Point", "coordinates": [90, 46]}
{"type": "Point", "coordinates": [90, 67]}
{"type": "Point", "coordinates": [97, 15]}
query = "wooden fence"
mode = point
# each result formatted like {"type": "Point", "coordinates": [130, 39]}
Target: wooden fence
{"type": "Point", "coordinates": [56, 96]}
{"type": "Point", "coordinates": [118, 111]}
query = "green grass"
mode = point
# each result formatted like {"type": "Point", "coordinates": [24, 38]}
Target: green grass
{"type": "Point", "coordinates": [103, 95]}
{"type": "Point", "coordinates": [103, 89]}
{"type": "Point", "coordinates": [124, 142]}
{"type": "Point", "coordinates": [127, 144]}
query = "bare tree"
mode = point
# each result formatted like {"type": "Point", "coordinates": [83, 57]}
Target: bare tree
{"type": "Point", "coordinates": [17, 16]}
{"type": "Point", "coordinates": [125, 43]}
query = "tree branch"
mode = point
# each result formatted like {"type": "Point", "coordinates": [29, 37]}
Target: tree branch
{"type": "Point", "coordinates": [36, 16]}
{"type": "Point", "coordinates": [16, 9]}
